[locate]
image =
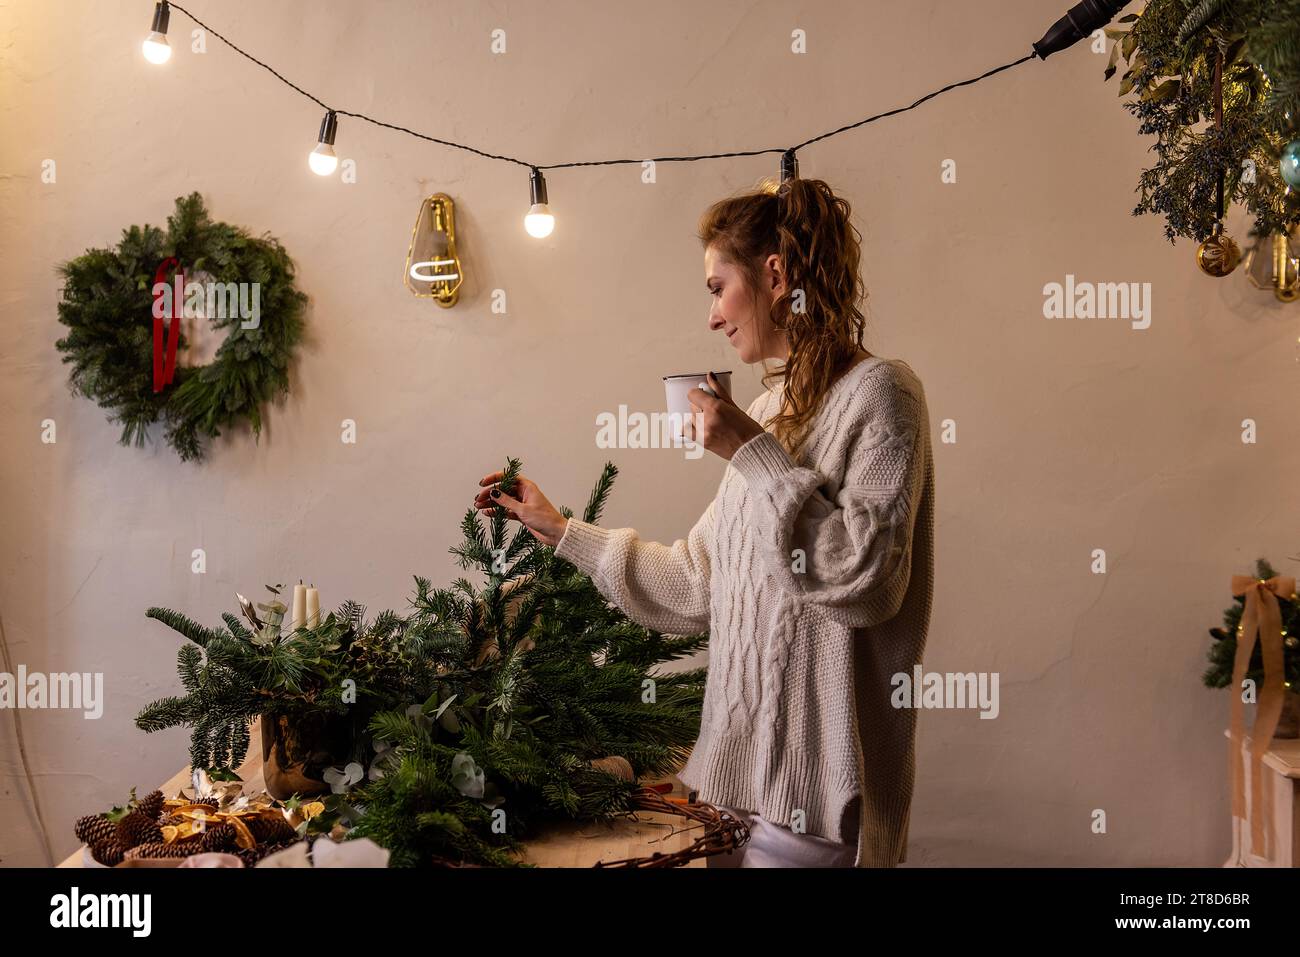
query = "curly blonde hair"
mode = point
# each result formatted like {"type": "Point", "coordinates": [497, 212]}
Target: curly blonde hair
{"type": "Point", "coordinates": [808, 227]}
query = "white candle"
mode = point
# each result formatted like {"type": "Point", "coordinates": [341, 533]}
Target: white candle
{"type": "Point", "coordinates": [299, 607]}
{"type": "Point", "coordinates": [313, 608]}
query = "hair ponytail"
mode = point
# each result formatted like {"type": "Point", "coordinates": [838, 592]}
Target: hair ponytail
{"type": "Point", "coordinates": [809, 228]}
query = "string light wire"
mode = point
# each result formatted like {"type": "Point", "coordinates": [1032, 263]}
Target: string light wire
{"type": "Point", "coordinates": [582, 163]}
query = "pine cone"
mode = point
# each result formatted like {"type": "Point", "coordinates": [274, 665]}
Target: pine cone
{"type": "Point", "coordinates": [136, 829]}
{"type": "Point", "coordinates": [171, 820]}
{"type": "Point", "coordinates": [151, 805]}
{"type": "Point", "coordinates": [157, 850]}
{"type": "Point", "coordinates": [94, 828]}
{"type": "Point", "coordinates": [107, 852]}
{"type": "Point", "coordinates": [219, 837]}
{"type": "Point", "coordinates": [250, 856]}
{"type": "Point", "coordinates": [272, 830]}
{"type": "Point", "coordinates": [211, 802]}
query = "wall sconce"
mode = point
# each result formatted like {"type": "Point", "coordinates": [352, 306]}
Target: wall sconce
{"type": "Point", "coordinates": [1272, 263]}
{"type": "Point", "coordinates": [433, 269]}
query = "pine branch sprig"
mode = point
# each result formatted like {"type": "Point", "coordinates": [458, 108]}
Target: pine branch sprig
{"type": "Point", "coordinates": [186, 626]}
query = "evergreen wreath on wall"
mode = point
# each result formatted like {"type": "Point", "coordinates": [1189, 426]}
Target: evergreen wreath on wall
{"type": "Point", "coordinates": [108, 306]}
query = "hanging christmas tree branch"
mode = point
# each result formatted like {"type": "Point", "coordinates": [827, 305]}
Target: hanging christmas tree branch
{"type": "Point", "coordinates": [1181, 63]}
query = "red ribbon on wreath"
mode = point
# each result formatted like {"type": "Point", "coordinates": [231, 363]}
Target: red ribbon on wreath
{"type": "Point", "coordinates": [164, 370]}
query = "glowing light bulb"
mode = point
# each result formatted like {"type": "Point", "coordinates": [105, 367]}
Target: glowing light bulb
{"type": "Point", "coordinates": [538, 220]}
{"type": "Point", "coordinates": [322, 159]}
{"type": "Point", "coordinates": [156, 49]}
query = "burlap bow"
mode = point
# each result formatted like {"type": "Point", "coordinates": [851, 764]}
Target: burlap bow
{"type": "Point", "coordinates": [1263, 616]}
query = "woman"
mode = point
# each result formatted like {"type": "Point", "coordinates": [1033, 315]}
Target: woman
{"type": "Point", "coordinates": [812, 568]}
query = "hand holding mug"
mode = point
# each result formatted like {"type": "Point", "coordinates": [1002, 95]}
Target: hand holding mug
{"type": "Point", "coordinates": [723, 426]}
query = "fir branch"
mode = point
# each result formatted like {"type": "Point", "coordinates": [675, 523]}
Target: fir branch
{"type": "Point", "coordinates": [236, 626]}
{"type": "Point", "coordinates": [162, 714]}
{"type": "Point", "coordinates": [474, 549]}
{"type": "Point", "coordinates": [352, 613]}
{"type": "Point", "coordinates": [599, 494]}
{"type": "Point", "coordinates": [185, 626]}
{"type": "Point", "coordinates": [187, 665]}
{"type": "Point", "coordinates": [509, 479]}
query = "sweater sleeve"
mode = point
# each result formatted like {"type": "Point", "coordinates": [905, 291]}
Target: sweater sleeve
{"type": "Point", "coordinates": [663, 587]}
{"type": "Point", "coordinates": [851, 554]}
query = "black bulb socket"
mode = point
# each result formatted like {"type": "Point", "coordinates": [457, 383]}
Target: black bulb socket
{"type": "Point", "coordinates": [537, 187]}
{"type": "Point", "coordinates": [789, 166]}
{"type": "Point", "coordinates": [161, 14]}
{"type": "Point", "coordinates": [329, 127]}
{"type": "Point", "coordinates": [1079, 21]}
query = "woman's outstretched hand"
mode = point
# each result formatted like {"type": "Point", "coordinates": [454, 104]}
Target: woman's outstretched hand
{"type": "Point", "coordinates": [724, 426]}
{"type": "Point", "coordinates": [528, 506]}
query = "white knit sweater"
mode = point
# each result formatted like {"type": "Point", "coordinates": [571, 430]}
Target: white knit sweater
{"type": "Point", "coordinates": [814, 580]}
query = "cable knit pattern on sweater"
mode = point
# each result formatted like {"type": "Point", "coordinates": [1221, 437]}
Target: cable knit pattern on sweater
{"type": "Point", "coordinates": [815, 581]}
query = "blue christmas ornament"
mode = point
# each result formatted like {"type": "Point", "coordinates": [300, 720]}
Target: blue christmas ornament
{"type": "Point", "coordinates": [1289, 165]}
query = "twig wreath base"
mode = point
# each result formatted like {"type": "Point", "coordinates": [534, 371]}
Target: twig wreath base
{"type": "Point", "coordinates": [107, 304]}
{"type": "Point", "coordinates": [722, 833]}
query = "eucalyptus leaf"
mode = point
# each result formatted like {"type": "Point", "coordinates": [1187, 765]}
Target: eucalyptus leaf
{"type": "Point", "coordinates": [1164, 91]}
{"type": "Point", "coordinates": [1114, 58]}
{"type": "Point", "coordinates": [449, 722]}
{"type": "Point", "coordinates": [466, 776]}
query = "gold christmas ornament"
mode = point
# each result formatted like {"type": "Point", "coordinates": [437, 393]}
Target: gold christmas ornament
{"type": "Point", "coordinates": [1278, 269]}
{"type": "Point", "coordinates": [433, 269]}
{"type": "Point", "coordinates": [1218, 255]}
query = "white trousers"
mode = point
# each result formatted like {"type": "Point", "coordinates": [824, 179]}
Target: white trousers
{"type": "Point", "coordinates": [771, 845]}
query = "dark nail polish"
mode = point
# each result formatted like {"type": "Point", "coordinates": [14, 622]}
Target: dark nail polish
{"type": "Point", "coordinates": [496, 493]}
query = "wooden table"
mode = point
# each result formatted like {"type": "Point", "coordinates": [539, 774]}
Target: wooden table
{"type": "Point", "coordinates": [569, 844]}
